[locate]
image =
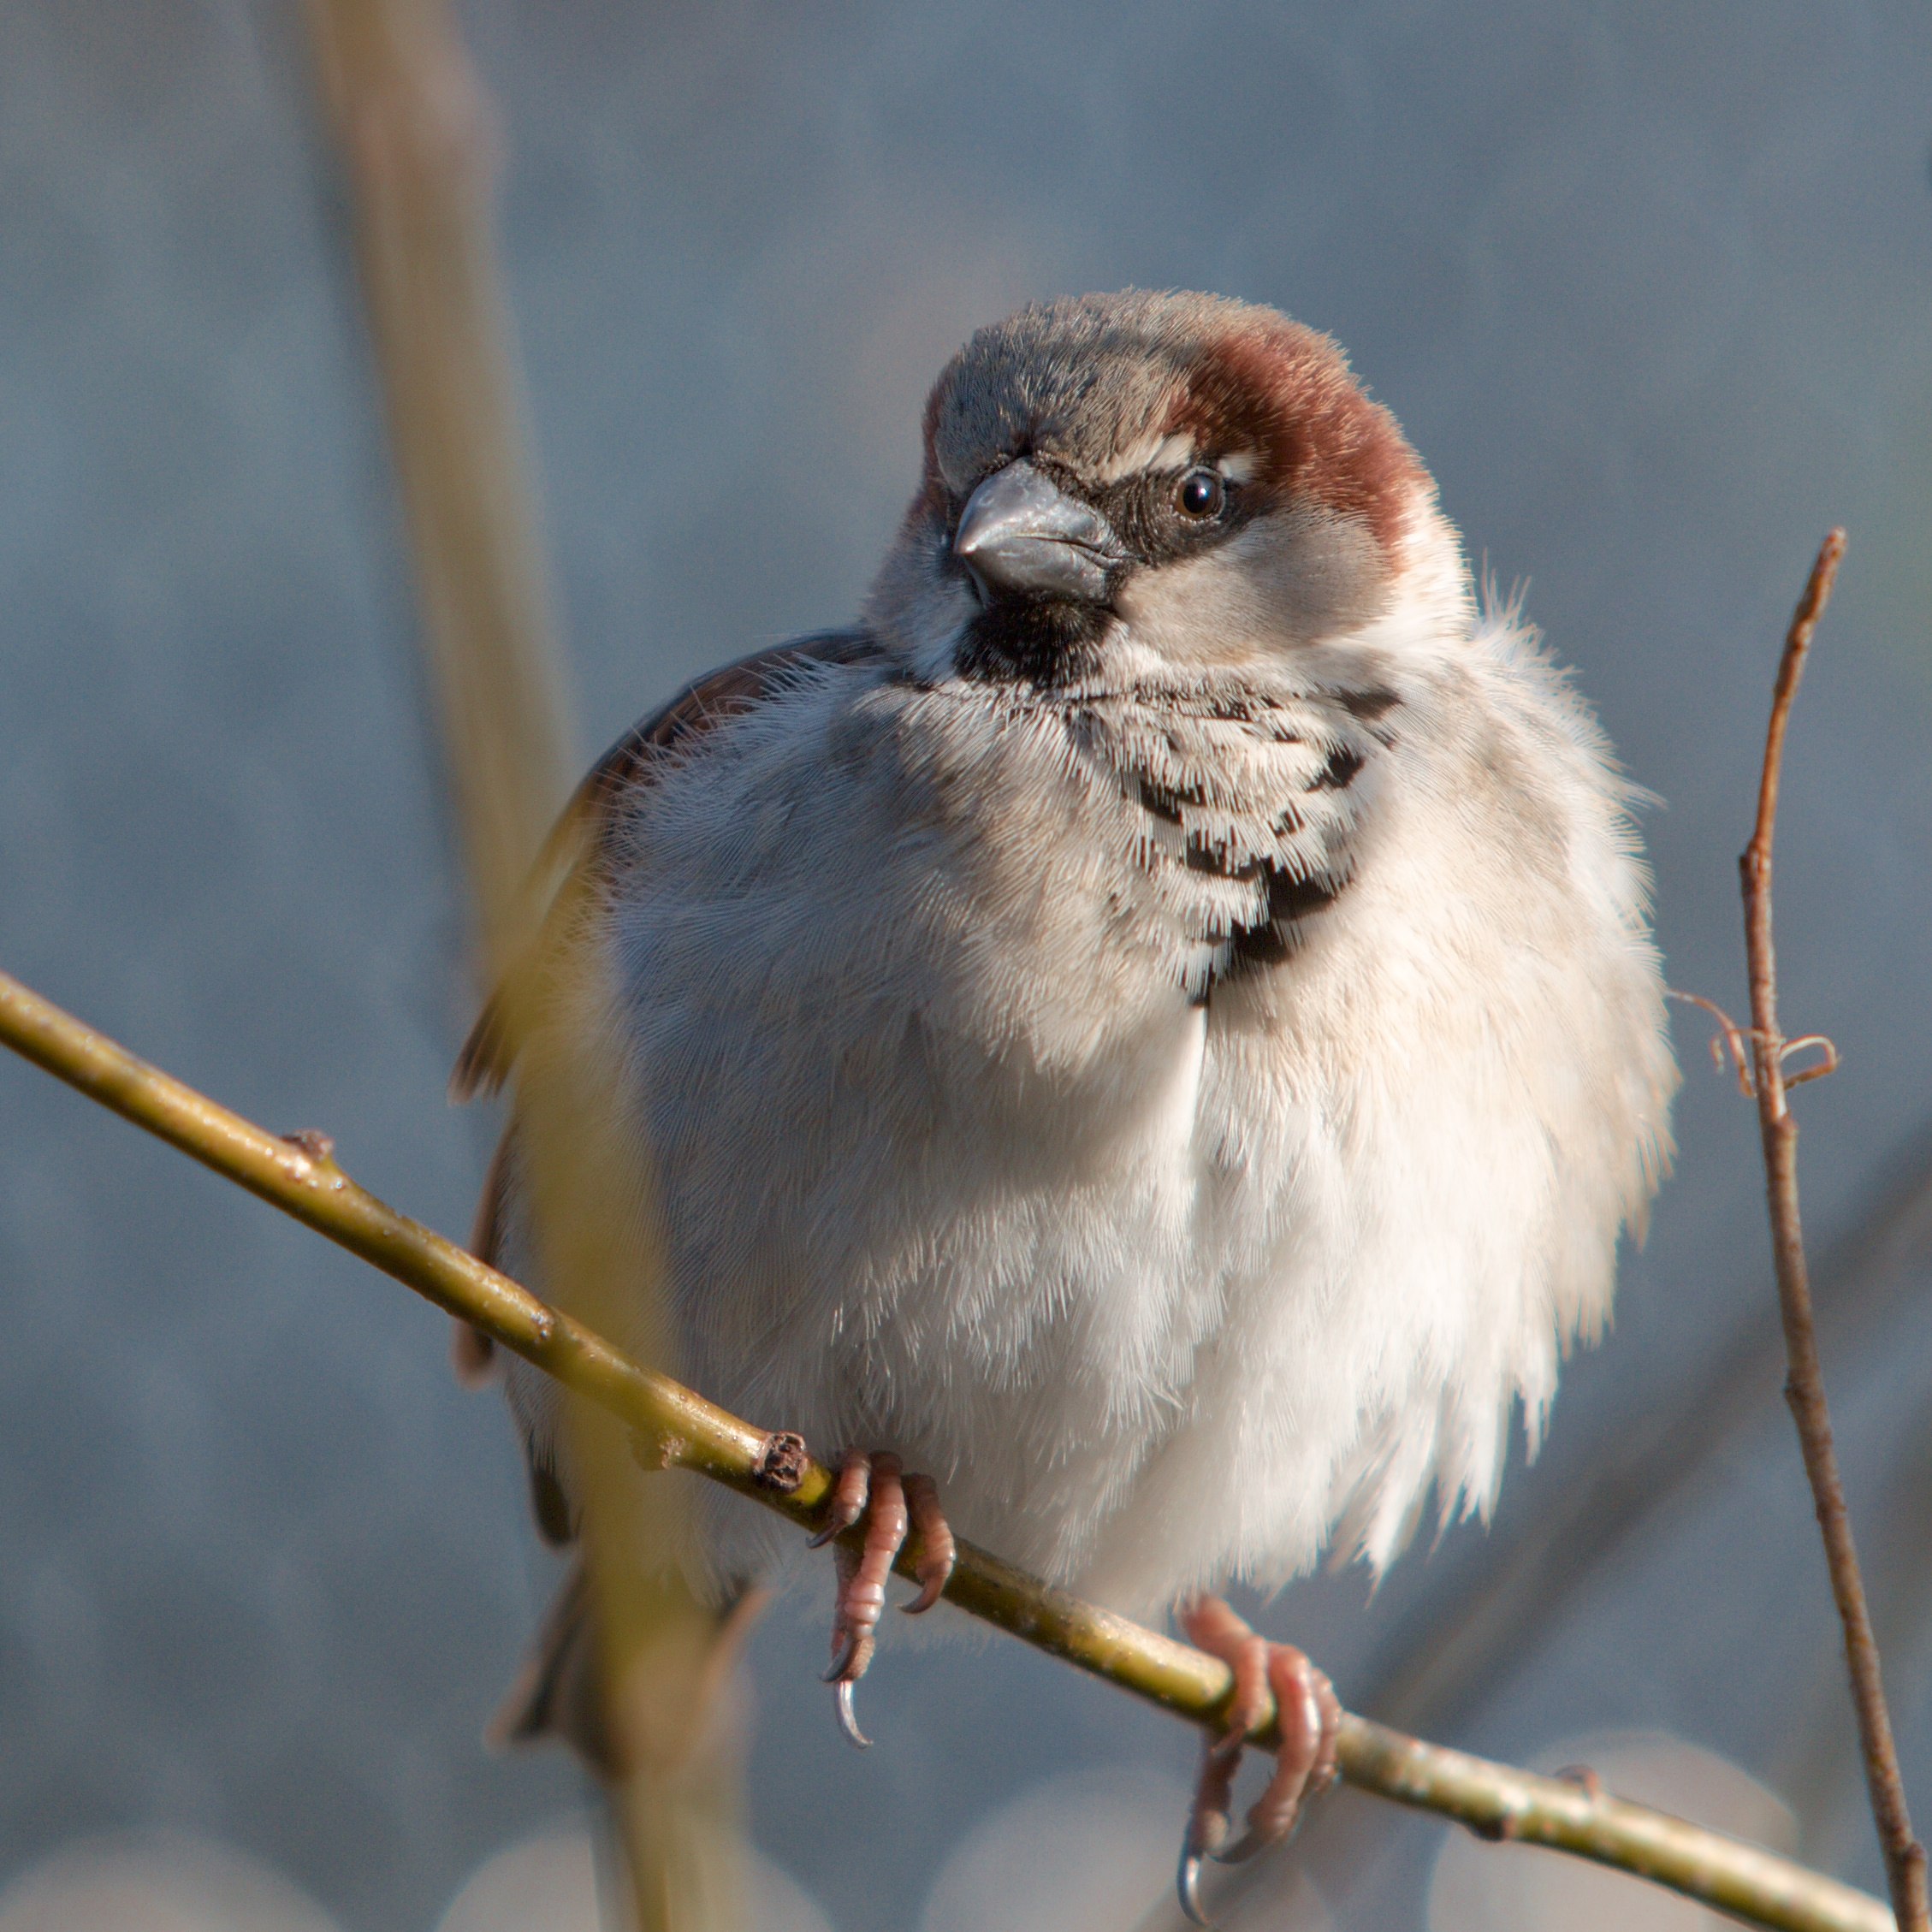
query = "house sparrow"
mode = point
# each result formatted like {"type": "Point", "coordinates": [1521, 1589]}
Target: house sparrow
{"type": "Point", "coordinates": [1156, 1028]}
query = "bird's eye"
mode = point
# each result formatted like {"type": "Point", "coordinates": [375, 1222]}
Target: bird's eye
{"type": "Point", "coordinates": [1200, 494]}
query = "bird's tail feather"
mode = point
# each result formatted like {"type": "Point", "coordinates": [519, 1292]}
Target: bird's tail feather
{"type": "Point", "coordinates": [558, 1693]}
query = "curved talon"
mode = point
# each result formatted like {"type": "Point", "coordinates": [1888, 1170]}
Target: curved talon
{"type": "Point", "coordinates": [937, 1550]}
{"type": "Point", "coordinates": [930, 1589]}
{"type": "Point", "coordinates": [842, 1709]}
{"type": "Point", "coordinates": [1207, 1822]}
{"type": "Point", "coordinates": [851, 1489]}
{"type": "Point", "coordinates": [1187, 1887]}
{"type": "Point", "coordinates": [842, 1658]}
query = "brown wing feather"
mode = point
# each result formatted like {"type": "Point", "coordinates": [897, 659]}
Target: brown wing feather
{"type": "Point", "coordinates": [586, 822]}
{"type": "Point", "coordinates": [550, 1695]}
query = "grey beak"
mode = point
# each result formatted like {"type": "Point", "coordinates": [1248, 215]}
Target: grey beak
{"type": "Point", "coordinates": [1018, 533]}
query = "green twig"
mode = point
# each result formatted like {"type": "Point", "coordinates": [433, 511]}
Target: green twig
{"type": "Point", "coordinates": [677, 1429]}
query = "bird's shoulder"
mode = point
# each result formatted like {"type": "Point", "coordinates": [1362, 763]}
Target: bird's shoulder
{"type": "Point", "coordinates": [678, 725]}
{"type": "Point", "coordinates": [584, 839]}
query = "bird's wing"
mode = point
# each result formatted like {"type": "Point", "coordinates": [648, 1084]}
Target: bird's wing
{"type": "Point", "coordinates": [582, 842]}
{"type": "Point", "coordinates": [584, 834]}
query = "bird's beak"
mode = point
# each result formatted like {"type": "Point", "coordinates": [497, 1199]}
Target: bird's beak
{"type": "Point", "coordinates": [1018, 533]}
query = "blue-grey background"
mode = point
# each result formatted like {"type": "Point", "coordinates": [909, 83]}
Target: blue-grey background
{"type": "Point", "coordinates": [1650, 288]}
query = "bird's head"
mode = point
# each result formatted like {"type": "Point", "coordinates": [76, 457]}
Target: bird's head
{"type": "Point", "coordinates": [1175, 475]}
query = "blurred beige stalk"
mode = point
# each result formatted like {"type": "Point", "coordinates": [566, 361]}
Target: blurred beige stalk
{"type": "Point", "coordinates": [416, 133]}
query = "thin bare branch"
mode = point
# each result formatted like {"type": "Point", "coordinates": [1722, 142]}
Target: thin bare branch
{"type": "Point", "coordinates": [1905, 1856]}
{"type": "Point", "coordinates": [676, 1428]}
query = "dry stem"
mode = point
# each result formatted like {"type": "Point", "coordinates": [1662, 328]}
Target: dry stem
{"type": "Point", "coordinates": [416, 134]}
{"type": "Point", "coordinates": [1905, 1856]}
{"type": "Point", "coordinates": [415, 129]}
{"type": "Point", "coordinates": [684, 1431]}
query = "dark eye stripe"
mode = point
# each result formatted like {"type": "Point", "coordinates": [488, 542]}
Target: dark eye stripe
{"type": "Point", "coordinates": [1151, 521]}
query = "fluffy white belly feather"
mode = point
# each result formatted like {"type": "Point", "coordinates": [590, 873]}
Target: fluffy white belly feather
{"type": "Point", "coordinates": [1161, 1292]}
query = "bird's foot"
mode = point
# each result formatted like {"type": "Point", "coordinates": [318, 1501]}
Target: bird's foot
{"type": "Point", "coordinates": [891, 1505]}
{"type": "Point", "coordinates": [1309, 1717]}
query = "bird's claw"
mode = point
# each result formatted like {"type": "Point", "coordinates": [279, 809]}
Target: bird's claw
{"type": "Point", "coordinates": [937, 1550]}
{"type": "Point", "coordinates": [1309, 1717]}
{"type": "Point", "coordinates": [892, 1505]}
{"type": "Point", "coordinates": [847, 1504]}
{"type": "Point", "coordinates": [843, 1655]}
{"type": "Point", "coordinates": [1187, 1886]}
{"type": "Point", "coordinates": [848, 1720]}
{"type": "Point", "coordinates": [1187, 1880]}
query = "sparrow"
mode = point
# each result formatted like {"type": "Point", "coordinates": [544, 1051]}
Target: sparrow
{"type": "Point", "coordinates": [1155, 1029]}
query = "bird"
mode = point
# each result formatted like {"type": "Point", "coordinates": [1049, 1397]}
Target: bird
{"type": "Point", "coordinates": [1147, 1046]}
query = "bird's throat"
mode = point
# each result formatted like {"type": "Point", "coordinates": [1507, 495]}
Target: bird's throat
{"type": "Point", "coordinates": [1049, 642]}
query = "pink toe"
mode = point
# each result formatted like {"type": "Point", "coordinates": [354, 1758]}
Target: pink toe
{"type": "Point", "coordinates": [1304, 1733]}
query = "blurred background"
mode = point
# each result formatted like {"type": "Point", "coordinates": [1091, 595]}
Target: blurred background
{"type": "Point", "coordinates": [1650, 288]}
